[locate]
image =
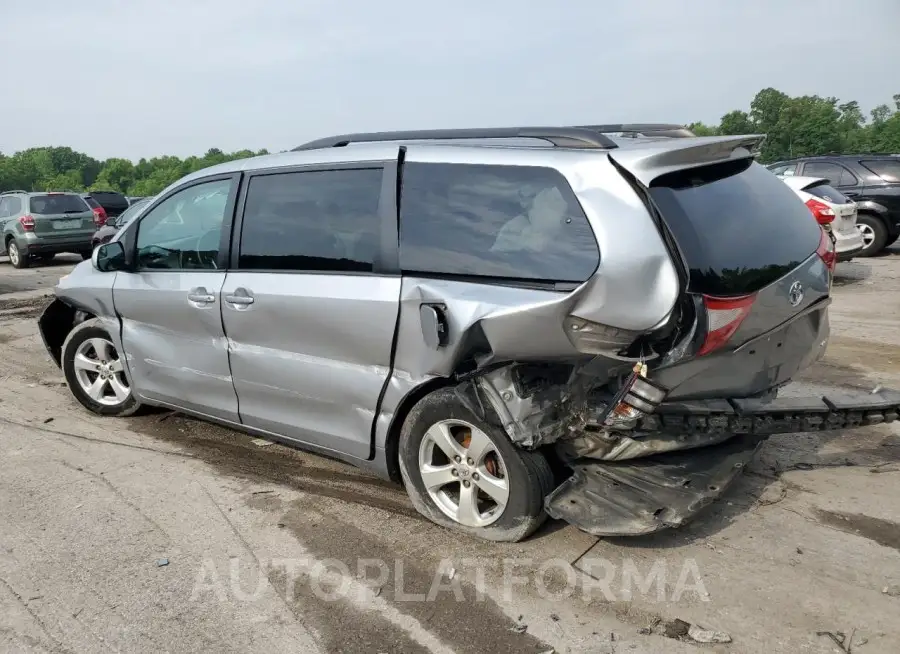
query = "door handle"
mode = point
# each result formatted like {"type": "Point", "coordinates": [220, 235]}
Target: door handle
{"type": "Point", "coordinates": [240, 298]}
{"type": "Point", "coordinates": [201, 296]}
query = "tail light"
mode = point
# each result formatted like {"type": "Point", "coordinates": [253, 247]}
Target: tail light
{"type": "Point", "coordinates": [99, 216]}
{"type": "Point", "coordinates": [826, 250]}
{"type": "Point", "coordinates": [821, 211]}
{"type": "Point", "coordinates": [27, 223]}
{"type": "Point", "coordinates": [723, 317]}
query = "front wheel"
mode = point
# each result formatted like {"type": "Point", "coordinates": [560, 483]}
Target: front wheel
{"type": "Point", "coordinates": [95, 371]}
{"type": "Point", "coordinates": [874, 233]}
{"type": "Point", "coordinates": [465, 474]}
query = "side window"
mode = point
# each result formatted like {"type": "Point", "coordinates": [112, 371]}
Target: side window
{"type": "Point", "coordinates": [10, 206]}
{"type": "Point", "coordinates": [182, 232]}
{"type": "Point", "coordinates": [15, 206]}
{"type": "Point", "coordinates": [831, 172]}
{"type": "Point", "coordinates": [848, 178]}
{"type": "Point", "coordinates": [516, 222]}
{"type": "Point", "coordinates": [312, 221]}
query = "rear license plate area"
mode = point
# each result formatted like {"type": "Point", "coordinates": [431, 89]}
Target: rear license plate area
{"type": "Point", "coordinates": [67, 224]}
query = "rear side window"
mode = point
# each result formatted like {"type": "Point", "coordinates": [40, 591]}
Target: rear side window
{"type": "Point", "coordinates": [62, 203]}
{"type": "Point", "coordinates": [92, 203]}
{"type": "Point", "coordinates": [739, 227]}
{"type": "Point", "coordinates": [828, 193]}
{"type": "Point", "coordinates": [312, 221]}
{"type": "Point", "coordinates": [512, 222]}
{"type": "Point", "coordinates": [10, 206]}
{"type": "Point", "coordinates": [837, 175]}
{"type": "Point", "coordinates": [887, 170]}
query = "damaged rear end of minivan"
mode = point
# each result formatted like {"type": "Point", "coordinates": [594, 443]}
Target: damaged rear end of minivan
{"type": "Point", "coordinates": [711, 294]}
{"type": "Point", "coordinates": [755, 278]}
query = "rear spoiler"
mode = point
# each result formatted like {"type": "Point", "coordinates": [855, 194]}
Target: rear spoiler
{"type": "Point", "coordinates": [647, 162]}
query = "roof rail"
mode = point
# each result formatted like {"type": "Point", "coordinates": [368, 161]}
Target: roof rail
{"type": "Point", "coordinates": [17, 190]}
{"type": "Point", "coordinates": [670, 130]}
{"type": "Point", "coordinates": [578, 137]}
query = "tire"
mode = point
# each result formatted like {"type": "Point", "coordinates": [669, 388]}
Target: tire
{"type": "Point", "coordinates": [16, 258]}
{"type": "Point", "coordinates": [527, 474]}
{"type": "Point", "coordinates": [873, 229]}
{"type": "Point", "coordinates": [80, 342]}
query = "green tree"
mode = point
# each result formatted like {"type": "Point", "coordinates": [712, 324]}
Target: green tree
{"type": "Point", "coordinates": [794, 126]}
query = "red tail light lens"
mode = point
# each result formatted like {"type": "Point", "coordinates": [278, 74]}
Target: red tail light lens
{"type": "Point", "coordinates": [822, 212]}
{"type": "Point", "coordinates": [723, 317]}
{"type": "Point", "coordinates": [99, 216]}
{"type": "Point", "coordinates": [27, 223]}
{"type": "Point", "coordinates": [826, 251]}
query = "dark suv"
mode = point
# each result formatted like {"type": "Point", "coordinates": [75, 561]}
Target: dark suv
{"type": "Point", "coordinates": [112, 204]}
{"type": "Point", "coordinates": [870, 180]}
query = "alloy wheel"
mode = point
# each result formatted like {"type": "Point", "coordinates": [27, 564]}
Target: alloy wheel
{"type": "Point", "coordinates": [463, 473]}
{"type": "Point", "coordinates": [868, 234]}
{"type": "Point", "coordinates": [100, 372]}
{"type": "Point", "coordinates": [12, 251]}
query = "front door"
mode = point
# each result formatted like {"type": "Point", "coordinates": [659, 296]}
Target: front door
{"type": "Point", "coordinates": [308, 311]}
{"type": "Point", "coordinates": [170, 305]}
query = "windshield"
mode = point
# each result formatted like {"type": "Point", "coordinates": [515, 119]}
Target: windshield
{"type": "Point", "coordinates": [57, 203]}
{"type": "Point", "coordinates": [132, 211]}
{"type": "Point", "coordinates": [887, 170]}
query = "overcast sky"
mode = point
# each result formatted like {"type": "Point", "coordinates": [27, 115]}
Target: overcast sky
{"type": "Point", "coordinates": [139, 78]}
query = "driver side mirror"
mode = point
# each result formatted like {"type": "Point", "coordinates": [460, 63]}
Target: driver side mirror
{"type": "Point", "coordinates": [109, 257]}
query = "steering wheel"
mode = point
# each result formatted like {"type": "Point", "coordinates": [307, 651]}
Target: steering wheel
{"type": "Point", "coordinates": [200, 249]}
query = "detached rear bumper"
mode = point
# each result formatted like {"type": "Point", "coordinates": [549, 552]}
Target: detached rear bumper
{"type": "Point", "coordinates": [690, 452]}
{"type": "Point", "coordinates": [639, 497]}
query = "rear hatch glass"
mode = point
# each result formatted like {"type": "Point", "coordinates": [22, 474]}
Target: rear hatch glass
{"type": "Point", "coordinates": [52, 204]}
{"type": "Point", "coordinates": [738, 226]}
{"type": "Point", "coordinates": [827, 193]}
{"type": "Point", "coordinates": [113, 203]}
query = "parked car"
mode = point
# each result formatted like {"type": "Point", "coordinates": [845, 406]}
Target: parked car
{"type": "Point", "coordinates": [99, 212]}
{"type": "Point", "coordinates": [132, 199]}
{"type": "Point", "coordinates": [870, 180]}
{"type": "Point", "coordinates": [42, 225]}
{"type": "Point", "coordinates": [113, 204]}
{"type": "Point", "coordinates": [831, 209]}
{"type": "Point", "coordinates": [109, 229]}
{"type": "Point", "coordinates": [456, 317]}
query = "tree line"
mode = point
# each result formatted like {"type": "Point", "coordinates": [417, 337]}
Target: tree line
{"type": "Point", "coordinates": [795, 126]}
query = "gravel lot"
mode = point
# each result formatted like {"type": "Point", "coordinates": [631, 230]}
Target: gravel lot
{"type": "Point", "coordinates": [152, 533]}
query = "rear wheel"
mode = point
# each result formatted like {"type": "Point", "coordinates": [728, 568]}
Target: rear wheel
{"type": "Point", "coordinates": [874, 233]}
{"type": "Point", "coordinates": [465, 474]}
{"type": "Point", "coordinates": [95, 371]}
{"type": "Point", "coordinates": [16, 257]}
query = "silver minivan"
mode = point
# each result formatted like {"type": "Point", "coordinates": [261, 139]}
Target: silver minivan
{"type": "Point", "coordinates": [581, 325]}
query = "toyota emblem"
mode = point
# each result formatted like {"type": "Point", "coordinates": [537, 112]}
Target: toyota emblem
{"type": "Point", "coordinates": [795, 294]}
